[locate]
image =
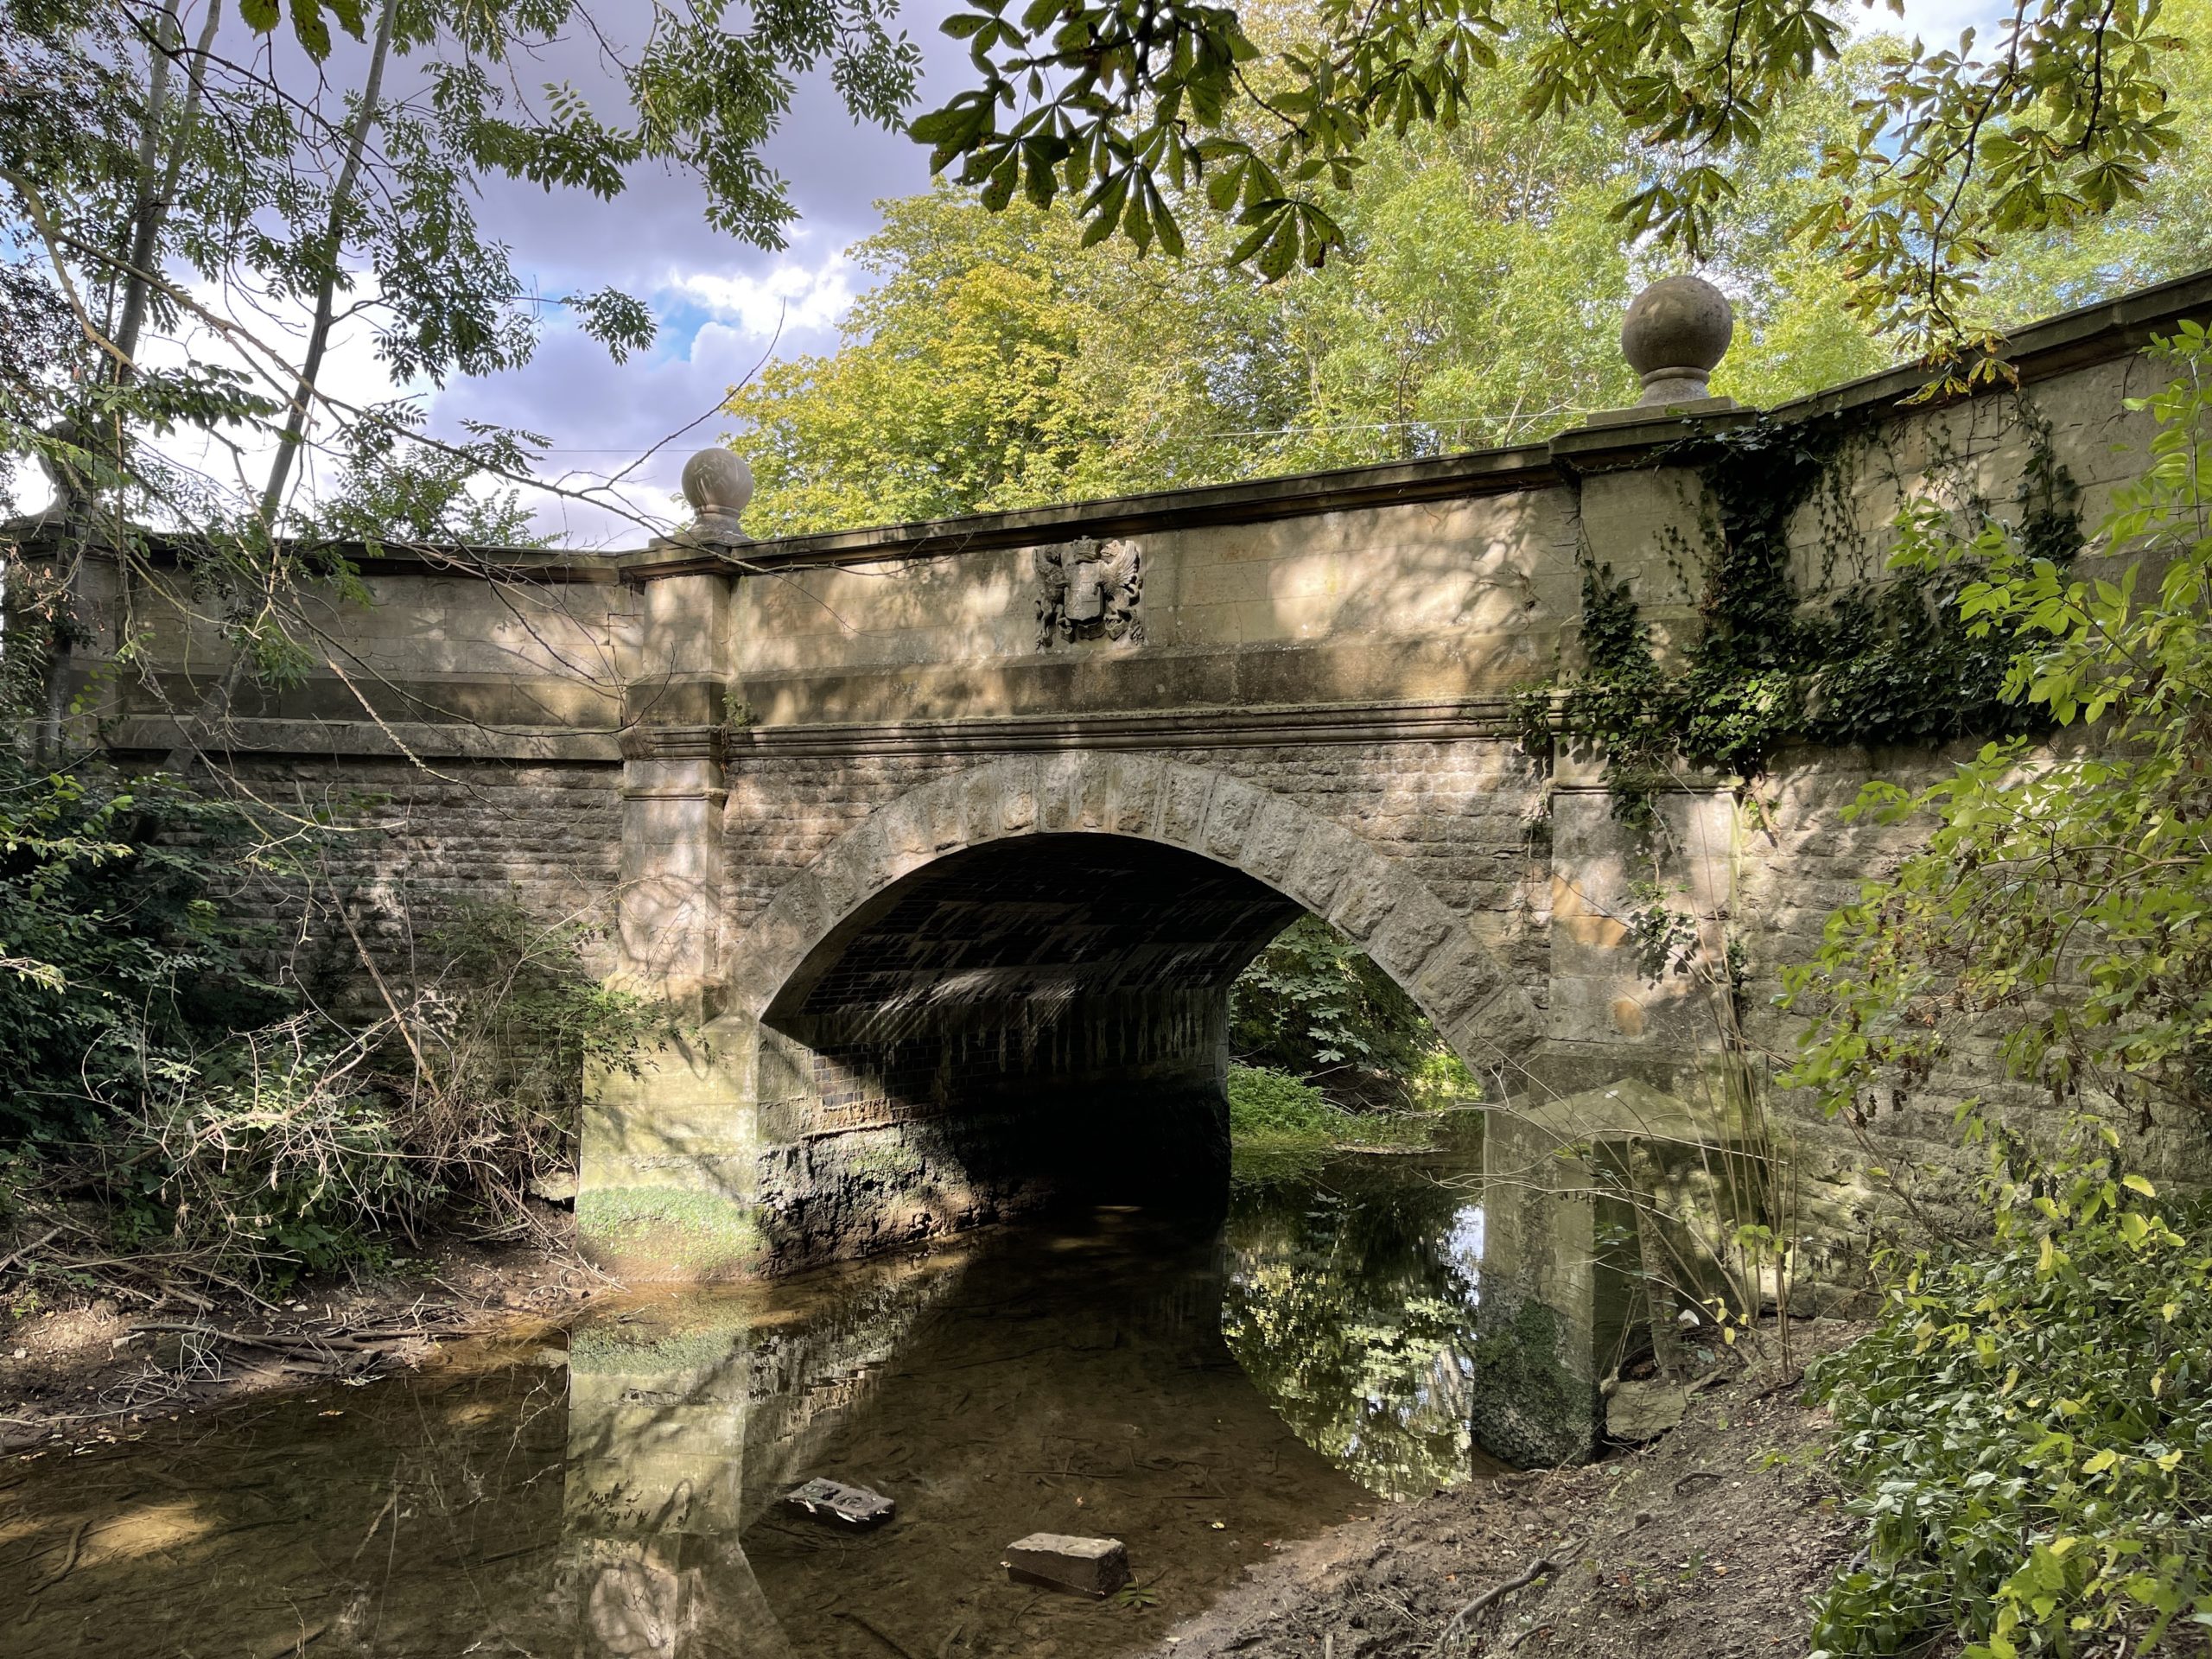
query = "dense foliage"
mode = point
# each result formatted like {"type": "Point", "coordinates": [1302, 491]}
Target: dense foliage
{"type": "Point", "coordinates": [999, 363]}
{"type": "Point", "coordinates": [164, 1093]}
{"type": "Point", "coordinates": [1313, 1005]}
{"type": "Point", "coordinates": [1148, 116]}
{"type": "Point", "coordinates": [117, 954]}
{"type": "Point", "coordinates": [2030, 1431]}
{"type": "Point", "coordinates": [1279, 1123]}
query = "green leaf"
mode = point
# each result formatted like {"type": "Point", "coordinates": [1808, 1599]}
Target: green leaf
{"type": "Point", "coordinates": [309, 28]}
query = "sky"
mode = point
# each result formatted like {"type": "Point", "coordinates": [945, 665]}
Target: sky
{"type": "Point", "coordinates": [723, 306]}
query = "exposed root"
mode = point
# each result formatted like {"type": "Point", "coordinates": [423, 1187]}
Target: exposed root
{"type": "Point", "coordinates": [1521, 1580]}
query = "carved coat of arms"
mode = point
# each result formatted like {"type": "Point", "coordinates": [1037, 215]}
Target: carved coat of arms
{"type": "Point", "coordinates": [1090, 590]}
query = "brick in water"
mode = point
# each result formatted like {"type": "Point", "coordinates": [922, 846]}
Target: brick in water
{"type": "Point", "coordinates": [1053, 1561]}
{"type": "Point", "coordinates": [844, 1505]}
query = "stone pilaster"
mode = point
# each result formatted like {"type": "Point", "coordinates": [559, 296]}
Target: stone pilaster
{"type": "Point", "coordinates": [671, 896]}
{"type": "Point", "coordinates": [668, 1160]}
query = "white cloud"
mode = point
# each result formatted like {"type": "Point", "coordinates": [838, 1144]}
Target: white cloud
{"type": "Point", "coordinates": [1936, 21]}
{"type": "Point", "coordinates": [790, 297]}
{"type": "Point", "coordinates": [236, 459]}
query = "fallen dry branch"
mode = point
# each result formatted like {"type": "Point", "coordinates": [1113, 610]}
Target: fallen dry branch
{"type": "Point", "coordinates": [21, 1251]}
{"type": "Point", "coordinates": [367, 1340]}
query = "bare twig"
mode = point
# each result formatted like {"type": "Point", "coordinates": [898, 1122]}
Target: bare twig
{"type": "Point", "coordinates": [892, 1642]}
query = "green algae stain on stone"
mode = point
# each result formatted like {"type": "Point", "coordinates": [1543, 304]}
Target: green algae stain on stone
{"type": "Point", "coordinates": [1530, 1407]}
{"type": "Point", "coordinates": [670, 1232]}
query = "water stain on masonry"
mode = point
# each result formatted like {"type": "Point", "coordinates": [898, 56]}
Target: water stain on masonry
{"type": "Point", "coordinates": [1203, 1393]}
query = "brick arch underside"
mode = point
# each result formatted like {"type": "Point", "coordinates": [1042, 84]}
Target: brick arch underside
{"type": "Point", "coordinates": [1010, 985]}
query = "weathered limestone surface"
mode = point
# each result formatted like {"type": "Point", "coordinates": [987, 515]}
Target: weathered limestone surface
{"type": "Point", "coordinates": [943, 890]}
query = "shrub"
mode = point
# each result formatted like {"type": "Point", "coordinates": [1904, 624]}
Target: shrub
{"type": "Point", "coordinates": [1274, 1112]}
{"type": "Point", "coordinates": [272, 1150]}
{"type": "Point", "coordinates": [1315, 1006]}
{"type": "Point", "coordinates": [2030, 1431]}
{"type": "Point", "coordinates": [490, 1052]}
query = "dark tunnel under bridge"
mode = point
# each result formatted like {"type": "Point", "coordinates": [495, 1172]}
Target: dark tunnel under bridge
{"type": "Point", "coordinates": [1015, 1022]}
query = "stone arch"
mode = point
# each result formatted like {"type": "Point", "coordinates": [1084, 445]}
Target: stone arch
{"type": "Point", "coordinates": [1426, 946]}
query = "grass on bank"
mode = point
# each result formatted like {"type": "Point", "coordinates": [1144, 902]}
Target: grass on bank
{"type": "Point", "coordinates": [1331, 1055]}
{"type": "Point", "coordinates": [1275, 1116]}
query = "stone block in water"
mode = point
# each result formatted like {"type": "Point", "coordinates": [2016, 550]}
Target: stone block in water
{"type": "Point", "coordinates": [1054, 1560]}
{"type": "Point", "coordinates": [834, 1501]}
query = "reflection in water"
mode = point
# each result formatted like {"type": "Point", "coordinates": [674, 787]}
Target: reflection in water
{"type": "Point", "coordinates": [688, 1416]}
{"type": "Point", "coordinates": [1076, 1383]}
{"type": "Point", "coordinates": [618, 1496]}
{"type": "Point", "coordinates": [1351, 1302]}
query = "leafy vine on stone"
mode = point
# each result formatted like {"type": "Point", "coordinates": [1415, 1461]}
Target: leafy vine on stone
{"type": "Point", "coordinates": [1872, 662]}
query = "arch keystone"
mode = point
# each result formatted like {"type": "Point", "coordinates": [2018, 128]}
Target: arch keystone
{"type": "Point", "coordinates": [1018, 787]}
{"type": "Point", "coordinates": [1059, 791]}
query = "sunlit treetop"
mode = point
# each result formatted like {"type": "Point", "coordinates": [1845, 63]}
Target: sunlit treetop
{"type": "Point", "coordinates": [1145, 111]}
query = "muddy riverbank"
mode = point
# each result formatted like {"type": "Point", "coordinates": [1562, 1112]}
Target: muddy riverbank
{"type": "Point", "coordinates": [1707, 1544]}
{"type": "Point", "coordinates": [82, 1366]}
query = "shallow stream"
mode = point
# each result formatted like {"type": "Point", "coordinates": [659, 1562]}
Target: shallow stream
{"type": "Point", "coordinates": [1202, 1393]}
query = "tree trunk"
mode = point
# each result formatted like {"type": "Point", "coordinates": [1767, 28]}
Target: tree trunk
{"type": "Point", "coordinates": [295, 419]}
{"type": "Point", "coordinates": [152, 209]}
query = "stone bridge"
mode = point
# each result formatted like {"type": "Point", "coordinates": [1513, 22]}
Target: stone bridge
{"type": "Point", "coordinates": [950, 837]}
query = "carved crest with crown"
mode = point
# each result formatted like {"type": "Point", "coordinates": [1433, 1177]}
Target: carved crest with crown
{"type": "Point", "coordinates": [1089, 589]}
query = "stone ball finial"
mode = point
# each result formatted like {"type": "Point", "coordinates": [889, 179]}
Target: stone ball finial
{"type": "Point", "coordinates": [1676, 331]}
{"type": "Point", "coordinates": [718, 484]}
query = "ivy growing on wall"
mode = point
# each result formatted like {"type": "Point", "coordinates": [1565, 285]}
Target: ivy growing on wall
{"type": "Point", "coordinates": [1860, 662]}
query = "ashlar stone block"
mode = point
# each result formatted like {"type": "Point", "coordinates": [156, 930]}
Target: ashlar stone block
{"type": "Point", "coordinates": [1086, 1567]}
